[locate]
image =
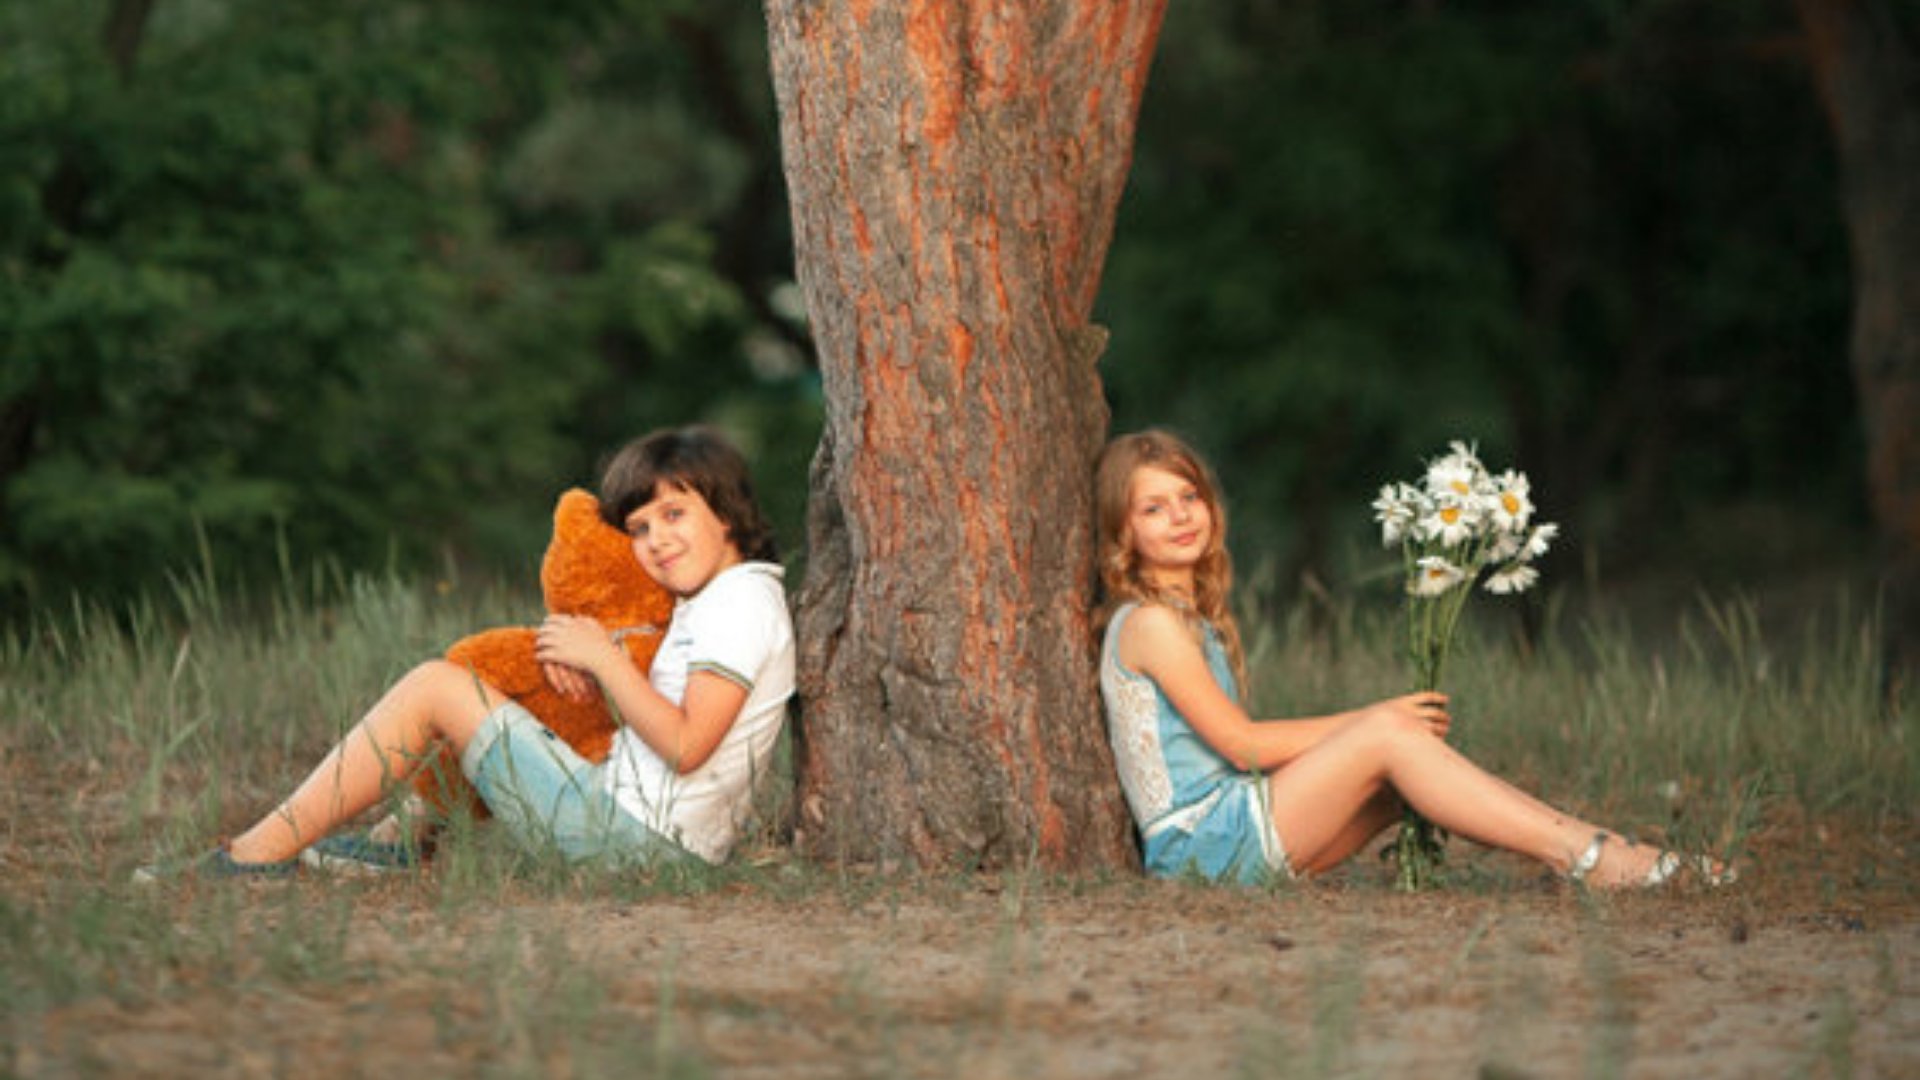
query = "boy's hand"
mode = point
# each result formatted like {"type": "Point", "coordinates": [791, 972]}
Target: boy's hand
{"type": "Point", "coordinates": [569, 683]}
{"type": "Point", "coordinates": [577, 642]}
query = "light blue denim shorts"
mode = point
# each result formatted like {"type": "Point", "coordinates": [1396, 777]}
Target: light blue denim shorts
{"type": "Point", "coordinates": [1229, 836]}
{"type": "Point", "coordinates": [552, 799]}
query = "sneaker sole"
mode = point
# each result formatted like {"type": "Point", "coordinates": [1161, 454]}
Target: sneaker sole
{"type": "Point", "coordinates": [335, 864]}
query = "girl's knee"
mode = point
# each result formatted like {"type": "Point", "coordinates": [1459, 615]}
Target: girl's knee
{"type": "Point", "coordinates": [1385, 806]}
{"type": "Point", "coordinates": [1390, 726]}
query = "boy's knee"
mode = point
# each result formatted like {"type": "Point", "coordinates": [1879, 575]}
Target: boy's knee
{"type": "Point", "coordinates": [450, 681]}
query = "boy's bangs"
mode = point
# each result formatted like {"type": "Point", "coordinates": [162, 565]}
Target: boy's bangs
{"type": "Point", "coordinates": [652, 488]}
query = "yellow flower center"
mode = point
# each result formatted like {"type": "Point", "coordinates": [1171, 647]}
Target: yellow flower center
{"type": "Point", "coordinates": [1510, 501]}
{"type": "Point", "coordinates": [1460, 487]}
{"type": "Point", "coordinates": [1450, 514]}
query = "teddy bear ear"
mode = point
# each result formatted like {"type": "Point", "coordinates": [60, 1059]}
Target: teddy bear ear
{"type": "Point", "coordinates": [574, 504]}
{"type": "Point", "coordinates": [590, 568]}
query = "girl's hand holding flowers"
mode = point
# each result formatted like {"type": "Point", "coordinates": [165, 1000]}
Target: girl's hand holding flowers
{"type": "Point", "coordinates": [1458, 523]}
{"type": "Point", "coordinates": [1426, 707]}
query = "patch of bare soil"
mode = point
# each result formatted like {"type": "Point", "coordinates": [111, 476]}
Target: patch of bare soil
{"type": "Point", "coordinates": [1169, 981]}
{"type": "Point", "coordinates": [1809, 966]}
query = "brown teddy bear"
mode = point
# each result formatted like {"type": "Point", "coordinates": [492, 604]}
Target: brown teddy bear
{"type": "Point", "coordinates": [589, 569]}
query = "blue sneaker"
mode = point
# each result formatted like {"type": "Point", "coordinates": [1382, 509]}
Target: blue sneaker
{"type": "Point", "coordinates": [215, 865]}
{"type": "Point", "coordinates": [358, 853]}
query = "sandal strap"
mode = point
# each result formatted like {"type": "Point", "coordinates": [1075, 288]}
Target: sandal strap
{"type": "Point", "coordinates": [1664, 868]}
{"type": "Point", "coordinates": [1588, 859]}
{"type": "Point", "coordinates": [1672, 863]}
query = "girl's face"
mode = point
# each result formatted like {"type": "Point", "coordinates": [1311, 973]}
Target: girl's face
{"type": "Point", "coordinates": [1169, 524]}
{"type": "Point", "coordinates": [680, 542]}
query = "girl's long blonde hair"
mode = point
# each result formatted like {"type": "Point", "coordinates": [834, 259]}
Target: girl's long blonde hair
{"type": "Point", "coordinates": [1120, 577]}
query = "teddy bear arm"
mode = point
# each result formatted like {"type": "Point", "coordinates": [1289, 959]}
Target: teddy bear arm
{"type": "Point", "coordinates": [502, 658]}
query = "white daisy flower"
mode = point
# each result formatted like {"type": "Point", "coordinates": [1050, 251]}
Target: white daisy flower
{"type": "Point", "coordinates": [1512, 578]}
{"type": "Point", "coordinates": [1397, 509]}
{"type": "Point", "coordinates": [1510, 503]}
{"type": "Point", "coordinates": [1449, 520]}
{"type": "Point", "coordinates": [1459, 450]}
{"type": "Point", "coordinates": [1540, 539]}
{"type": "Point", "coordinates": [1506, 547]}
{"type": "Point", "coordinates": [1435, 575]}
{"type": "Point", "coordinates": [1458, 475]}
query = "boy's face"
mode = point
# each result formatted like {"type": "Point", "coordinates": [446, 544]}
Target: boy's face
{"type": "Point", "coordinates": [680, 542]}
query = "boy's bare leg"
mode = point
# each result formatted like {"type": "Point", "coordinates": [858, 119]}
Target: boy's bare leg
{"type": "Point", "coordinates": [411, 823]}
{"type": "Point", "coordinates": [436, 700]}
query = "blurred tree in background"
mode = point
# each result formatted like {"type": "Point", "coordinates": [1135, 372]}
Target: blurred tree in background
{"type": "Point", "coordinates": [374, 277]}
{"type": "Point", "coordinates": [379, 278]}
{"type": "Point", "coordinates": [1600, 239]}
{"type": "Point", "coordinates": [1865, 56]}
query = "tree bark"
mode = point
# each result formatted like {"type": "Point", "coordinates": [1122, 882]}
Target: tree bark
{"type": "Point", "coordinates": [126, 25]}
{"type": "Point", "coordinates": [954, 170]}
{"type": "Point", "coordinates": [1868, 75]}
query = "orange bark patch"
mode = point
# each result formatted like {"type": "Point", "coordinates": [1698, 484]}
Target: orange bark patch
{"type": "Point", "coordinates": [960, 347]}
{"type": "Point", "coordinates": [929, 41]}
{"type": "Point", "coordinates": [862, 237]}
{"type": "Point", "coordinates": [1053, 829]}
{"type": "Point", "coordinates": [1108, 36]}
{"type": "Point", "coordinates": [988, 239]}
{"type": "Point", "coordinates": [1096, 99]}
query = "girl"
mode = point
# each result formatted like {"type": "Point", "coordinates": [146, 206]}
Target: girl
{"type": "Point", "coordinates": [1217, 792]}
{"type": "Point", "coordinates": [697, 729]}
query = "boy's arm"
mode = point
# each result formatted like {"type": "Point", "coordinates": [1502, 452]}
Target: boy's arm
{"type": "Point", "coordinates": [684, 735]}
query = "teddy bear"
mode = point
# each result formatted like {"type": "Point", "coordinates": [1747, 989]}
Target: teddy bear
{"type": "Point", "coordinates": [589, 569]}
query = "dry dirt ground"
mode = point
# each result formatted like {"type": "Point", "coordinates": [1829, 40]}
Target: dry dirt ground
{"type": "Point", "coordinates": [1810, 966]}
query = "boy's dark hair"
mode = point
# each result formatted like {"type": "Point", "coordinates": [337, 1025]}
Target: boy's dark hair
{"type": "Point", "coordinates": [699, 459]}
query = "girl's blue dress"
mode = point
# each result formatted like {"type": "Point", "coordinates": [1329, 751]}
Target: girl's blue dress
{"type": "Point", "coordinates": [1197, 813]}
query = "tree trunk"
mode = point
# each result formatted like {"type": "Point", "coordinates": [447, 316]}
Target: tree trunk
{"type": "Point", "coordinates": [954, 170]}
{"type": "Point", "coordinates": [1868, 75]}
{"type": "Point", "coordinates": [126, 25]}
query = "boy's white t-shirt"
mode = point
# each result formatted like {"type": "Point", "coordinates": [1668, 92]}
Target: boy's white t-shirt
{"type": "Point", "coordinates": [738, 628]}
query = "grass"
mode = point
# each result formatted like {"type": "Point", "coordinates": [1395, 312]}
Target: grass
{"type": "Point", "coordinates": [132, 733]}
{"type": "Point", "coordinates": [1691, 743]}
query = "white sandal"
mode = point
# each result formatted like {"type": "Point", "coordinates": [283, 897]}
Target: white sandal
{"type": "Point", "coordinates": [1665, 868]}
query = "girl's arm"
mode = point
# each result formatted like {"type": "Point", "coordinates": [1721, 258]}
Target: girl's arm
{"type": "Point", "coordinates": [1156, 642]}
{"type": "Point", "coordinates": [684, 735]}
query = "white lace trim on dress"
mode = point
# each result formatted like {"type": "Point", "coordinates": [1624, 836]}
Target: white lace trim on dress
{"type": "Point", "coordinates": [1133, 729]}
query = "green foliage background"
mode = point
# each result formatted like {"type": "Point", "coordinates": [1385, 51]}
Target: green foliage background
{"type": "Point", "coordinates": [1602, 240]}
{"type": "Point", "coordinates": [371, 281]}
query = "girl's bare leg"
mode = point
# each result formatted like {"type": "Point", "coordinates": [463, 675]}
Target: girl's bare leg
{"type": "Point", "coordinates": [1378, 812]}
{"type": "Point", "coordinates": [436, 700]}
{"type": "Point", "coordinates": [1320, 800]}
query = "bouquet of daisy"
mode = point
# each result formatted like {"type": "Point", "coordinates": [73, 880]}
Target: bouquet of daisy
{"type": "Point", "coordinates": [1459, 525]}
